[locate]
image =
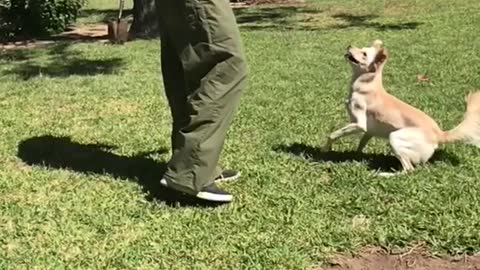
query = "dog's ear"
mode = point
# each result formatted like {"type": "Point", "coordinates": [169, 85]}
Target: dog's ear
{"type": "Point", "coordinates": [379, 59]}
{"type": "Point", "coordinates": [381, 56]}
{"type": "Point", "coordinates": [377, 43]}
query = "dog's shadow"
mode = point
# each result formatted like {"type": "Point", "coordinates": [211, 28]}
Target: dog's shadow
{"type": "Point", "coordinates": [376, 162]}
{"type": "Point", "coordinates": [63, 153]}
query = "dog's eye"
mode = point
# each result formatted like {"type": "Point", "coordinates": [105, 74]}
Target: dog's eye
{"type": "Point", "coordinates": [364, 54]}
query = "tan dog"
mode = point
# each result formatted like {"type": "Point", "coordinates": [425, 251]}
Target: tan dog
{"type": "Point", "coordinates": [413, 135]}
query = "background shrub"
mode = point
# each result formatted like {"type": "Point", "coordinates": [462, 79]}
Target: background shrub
{"type": "Point", "coordinates": [37, 17]}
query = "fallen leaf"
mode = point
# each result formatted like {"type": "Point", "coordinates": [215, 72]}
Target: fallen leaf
{"type": "Point", "coordinates": [422, 78]}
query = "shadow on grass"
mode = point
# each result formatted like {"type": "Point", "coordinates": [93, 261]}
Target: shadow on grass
{"type": "Point", "coordinates": [67, 67]}
{"type": "Point", "coordinates": [63, 153]}
{"type": "Point", "coordinates": [15, 55]}
{"type": "Point", "coordinates": [376, 162]}
{"type": "Point", "coordinates": [276, 15]}
{"type": "Point", "coordinates": [302, 18]}
{"type": "Point", "coordinates": [363, 21]}
{"type": "Point", "coordinates": [270, 18]}
{"type": "Point", "coordinates": [62, 63]}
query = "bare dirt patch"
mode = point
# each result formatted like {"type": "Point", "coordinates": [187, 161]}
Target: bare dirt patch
{"type": "Point", "coordinates": [95, 31]}
{"type": "Point", "coordinates": [84, 33]}
{"type": "Point", "coordinates": [248, 3]}
{"type": "Point", "coordinates": [379, 259]}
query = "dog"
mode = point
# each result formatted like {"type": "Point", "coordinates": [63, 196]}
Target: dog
{"type": "Point", "coordinates": [413, 135]}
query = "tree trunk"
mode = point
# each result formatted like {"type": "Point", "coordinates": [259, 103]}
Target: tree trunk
{"type": "Point", "coordinates": [145, 19]}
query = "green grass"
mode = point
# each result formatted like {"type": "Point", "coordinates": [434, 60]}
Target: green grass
{"type": "Point", "coordinates": [85, 134]}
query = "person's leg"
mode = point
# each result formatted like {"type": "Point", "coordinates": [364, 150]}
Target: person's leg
{"type": "Point", "coordinates": [176, 92]}
{"type": "Point", "coordinates": [175, 87]}
{"type": "Point", "coordinates": [208, 43]}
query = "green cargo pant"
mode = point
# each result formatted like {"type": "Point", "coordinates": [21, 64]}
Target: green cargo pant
{"type": "Point", "coordinates": [204, 71]}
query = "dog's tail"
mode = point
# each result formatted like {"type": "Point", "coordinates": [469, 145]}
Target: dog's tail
{"type": "Point", "coordinates": [468, 131]}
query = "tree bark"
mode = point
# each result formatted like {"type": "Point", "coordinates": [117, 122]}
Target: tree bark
{"type": "Point", "coordinates": [145, 19]}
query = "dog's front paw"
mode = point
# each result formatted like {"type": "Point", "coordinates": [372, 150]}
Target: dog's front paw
{"type": "Point", "coordinates": [386, 174]}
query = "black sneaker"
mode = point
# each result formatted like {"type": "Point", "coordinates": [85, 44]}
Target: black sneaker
{"type": "Point", "coordinates": [214, 194]}
{"type": "Point", "coordinates": [209, 193]}
{"type": "Point", "coordinates": [227, 175]}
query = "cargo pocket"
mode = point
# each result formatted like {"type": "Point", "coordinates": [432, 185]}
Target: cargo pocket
{"type": "Point", "coordinates": [197, 22]}
{"type": "Point", "coordinates": [208, 58]}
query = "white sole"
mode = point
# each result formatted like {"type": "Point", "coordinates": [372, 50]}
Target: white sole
{"type": "Point", "coordinates": [214, 197]}
{"type": "Point", "coordinates": [206, 195]}
{"type": "Point", "coordinates": [163, 182]}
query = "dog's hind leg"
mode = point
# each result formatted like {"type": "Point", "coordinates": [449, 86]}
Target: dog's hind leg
{"type": "Point", "coordinates": [411, 147]}
{"type": "Point", "coordinates": [406, 166]}
{"type": "Point", "coordinates": [406, 163]}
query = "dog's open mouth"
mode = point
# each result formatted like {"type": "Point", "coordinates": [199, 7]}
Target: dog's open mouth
{"type": "Point", "coordinates": [350, 58]}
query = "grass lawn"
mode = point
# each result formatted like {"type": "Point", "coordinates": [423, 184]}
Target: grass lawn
{"type": "Point", "coordinates": [85, 136]}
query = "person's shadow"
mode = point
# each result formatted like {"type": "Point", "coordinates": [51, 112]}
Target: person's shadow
{"type": "Point", "coordinates": [63, 153]}
{"type": "Point", "coordinates": [376, 162]}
